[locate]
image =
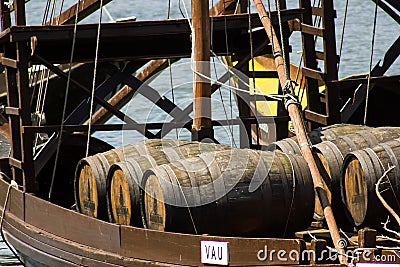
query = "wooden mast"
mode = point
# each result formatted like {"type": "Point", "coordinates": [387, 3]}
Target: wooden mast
{"type": "Point", "coordinates": [202, 124]}
{"type": "Point", "coordinates": [298, 124]}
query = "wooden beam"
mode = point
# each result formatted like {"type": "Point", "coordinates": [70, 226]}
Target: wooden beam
{"type": "Point", "coordinates": [85, 8]}
{"type": "Point", "coordinates": [201, 58]}
{"type": "Point", "coordinates": [99, 100]}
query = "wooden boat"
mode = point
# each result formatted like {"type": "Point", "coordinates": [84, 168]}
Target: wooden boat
{"type": "Point", "coordinates": [52, 233]}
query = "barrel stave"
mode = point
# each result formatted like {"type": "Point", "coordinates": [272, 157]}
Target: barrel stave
{"type": "Point", "coordinates": [361, 171]}
{"type": "Point", "coordinates": [100, 165]}
{"type": "Point", "coordinates": [241, 211]}
{"type": "Point", "coordinates": [139, 164]}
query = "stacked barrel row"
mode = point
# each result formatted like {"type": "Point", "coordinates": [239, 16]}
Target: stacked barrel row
{"type": "Point", "coordinates": [351, 165]}
{"type": "Point", "coordinates": [197, 188]}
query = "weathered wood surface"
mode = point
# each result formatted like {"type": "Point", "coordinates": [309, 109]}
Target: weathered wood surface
{"type": "Point", "coordinates": [361, 171]}
{"type": "Point", "coordinates": [291, 146]}
{"type": "Point", "coordinates": [85, 8]}
{"type": "Point", "coordinates": [50, 233]}
{"type": "Point", "coordinates": [67, 223]}
{"type": "Point", "coordinates": [141, 243]}
{"type": "Point", "coordinates": [332, 153]}
{"type": "Point", "coordinates": [91, 173]}
{"type": "Point", "coordinates": [124, 178]}
{"type": "Point", "coordinates": [184, 195]}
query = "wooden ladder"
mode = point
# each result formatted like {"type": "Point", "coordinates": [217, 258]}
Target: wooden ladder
{"type": "Point", "coordinates": [323, 108]}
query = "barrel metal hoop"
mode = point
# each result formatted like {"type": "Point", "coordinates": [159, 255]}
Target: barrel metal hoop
{"type": "Point", "coordinates": [394, 161]}
{"type": "Point", "coordinates": [171, 154]}
{"type": "Point", "coordinates": [392, 157]}
{"type": "Point", "coordinates": [195, 186]}
{"type": "Point", "coordinates": [370, 138]}
{"type": "Point", "coordinates": [176, 187]}
{"type": "Point", "coordinates": [349, 142]}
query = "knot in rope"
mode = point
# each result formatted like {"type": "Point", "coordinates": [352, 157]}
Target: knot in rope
{"type": "Point", "coordinates": [289, 85]}
{"type": "Point", "coordinates": [288, 97]}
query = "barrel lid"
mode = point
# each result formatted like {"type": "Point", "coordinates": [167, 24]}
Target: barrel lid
{"type": "Point", "coordinates": [87, 197]}
{"type": "Point", "coordinates": [154, 207]}
{"type": "Point", "coordinates": [120, 200]}
{"type": "Point", "coordinates": [355, 190]}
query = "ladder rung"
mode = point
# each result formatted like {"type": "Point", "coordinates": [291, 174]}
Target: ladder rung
{"type": "Point", "coordinates": [312, 30]}
{"type": "Point", "coordinates": [313, 74]}
{"type": "Point", "coordinates": [321, 56]}
{"type": "Point", "coordinates": [16, 163]}
{"type": "Point", "coordinates": [316, 117]}
{"type": "Point", "coordinates": [318, 11]}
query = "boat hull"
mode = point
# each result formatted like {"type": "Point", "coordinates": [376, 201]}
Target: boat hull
{"type": "Point", "coordinates": [45, 234]}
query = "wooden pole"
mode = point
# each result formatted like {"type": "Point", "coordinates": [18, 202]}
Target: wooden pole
{"type": "Point", "coordinates": [298, 124]}
{"type": "Point", "coordinates": [202, 125]}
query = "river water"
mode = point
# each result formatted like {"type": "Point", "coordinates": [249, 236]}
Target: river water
{"type": "Point", "coordinates": [355, 60]}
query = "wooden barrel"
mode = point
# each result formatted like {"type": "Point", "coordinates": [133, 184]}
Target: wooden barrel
{"type": "Point", "coordinates": [331, 154]}
{"type": "Point", "coordinates": [290, 145]}
{"type": "Point", "coordinates": [361, 171]}
{"type": "Point", "coordinates": [72, 150]}
{"type": "Point", "coordinates": [212, 194]}
{"type": "Point", "coordinates": [91, 174]}
{"type": "Point", "coordinates": [124, 178]}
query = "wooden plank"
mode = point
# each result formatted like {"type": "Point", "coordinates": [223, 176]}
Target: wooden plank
{"type": "Point", "coordinates": [15, 163]}
{"type": "Point", "coordinates": [9, 62]}
{"type": "Point", "coordinates": [12, 111]}
{"type": "Point", "coordinates": [317, 75]}
{"type": "Point", "coordinates": [184, 249]}
{"type": "Point", "coordinates": [317, 11]}
{"type": "Point", "coordinates": [223, 7]}
{"type": "Point", "coordinates": [20, 234]}
{"type": "Point", "coordinates": [85, 8]}
{"type": "Point", "coordinates": [15, 205]}
{"type": "Point", "coordinates": [307, 29]}
{"type": "Point", "coordinates": [316, 117]}
{"type": "Point", "coordinates": [71, 225]}
{"type": "Point", "coordinates": [135, 29]}
{"type": "Point", "coordinates": [320, 12]}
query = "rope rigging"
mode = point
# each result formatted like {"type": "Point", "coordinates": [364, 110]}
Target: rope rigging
{"type": "Point", "coordinates": [94, 78]}
{"type": "Point", "coordinates": [343, 30]}
{"type": "Point", "coordinates": [170, 70]}
{"type": "Point", "coordinates": [371, 61]}
{"type": "Point", "coordinates": [252, 89]}
{"type": "Point", "coordinates": [65, 102]}
{"type": "Point", "coordinates": [230, 126]}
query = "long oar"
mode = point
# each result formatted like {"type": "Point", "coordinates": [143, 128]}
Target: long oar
{"type": "Point", "coordinates": [294, 110]}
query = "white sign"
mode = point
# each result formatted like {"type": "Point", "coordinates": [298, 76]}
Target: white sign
{"type": "Point", "coordinates": [214, 252]}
